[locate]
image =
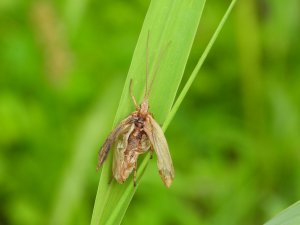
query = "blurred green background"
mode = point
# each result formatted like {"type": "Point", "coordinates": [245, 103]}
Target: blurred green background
{"type": "Point", "coordinates": [235, 140]}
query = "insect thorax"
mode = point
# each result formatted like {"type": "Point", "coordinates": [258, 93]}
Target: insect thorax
{"type": "Point", "coordinates": [138, 138]}
{"type": "Point", "coordinates": [138, 119]}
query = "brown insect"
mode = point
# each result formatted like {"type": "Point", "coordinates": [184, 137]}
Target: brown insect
{"type": "Point", "coordinates": [136, 135]}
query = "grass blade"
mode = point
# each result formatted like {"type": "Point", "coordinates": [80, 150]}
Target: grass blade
{"type": "Point", "coordinates": [289, 216]}
{"type": "Point", "coordinates": [198, 67]}
{"type": "Point", "coordinates": [164, 19]}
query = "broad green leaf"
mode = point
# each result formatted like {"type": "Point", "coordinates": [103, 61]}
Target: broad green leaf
{"type": "Point", "coordinates": [289, 216]}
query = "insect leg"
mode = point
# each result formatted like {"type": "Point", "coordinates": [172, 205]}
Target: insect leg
{"type": "Point", "coordinates": [133, 98]}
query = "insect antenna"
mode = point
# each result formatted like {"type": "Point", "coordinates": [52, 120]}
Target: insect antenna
{"type": "Point", "coordinates": [160, 56]}
{"type": "Point", "coordinates": [147, 64]}
{"type": "Point", "coordinates": [132, 96]}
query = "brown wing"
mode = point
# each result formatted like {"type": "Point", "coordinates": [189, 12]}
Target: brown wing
{"type": "Point", "coordinates": [160, 145]}
{"type": "Point", "coordinates": [119, 150]}
{"type": "Point", "coordinates": [121, 128]}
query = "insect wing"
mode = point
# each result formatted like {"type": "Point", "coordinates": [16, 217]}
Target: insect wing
{"type": "Point", "coordinates": [119, 154]}
{"type": "Point", "coordinates": [120, 129]}
{"type": "Point", "coordinates": [160, 145]}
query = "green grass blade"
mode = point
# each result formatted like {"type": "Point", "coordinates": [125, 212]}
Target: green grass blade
{"type": "Point", "coordinates": [289, 216]}
{"type": "Point", "coordinates": [163, 20]}
{"type": "Point", "coordinates": [198, 67]}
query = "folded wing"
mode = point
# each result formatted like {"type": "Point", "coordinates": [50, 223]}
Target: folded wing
{"type": "Point", "coordinates": [119, 154]}
{"type": "Point", "coordinates": [160, 145]}
{"type": "Point", "coordinates": [113, 136]}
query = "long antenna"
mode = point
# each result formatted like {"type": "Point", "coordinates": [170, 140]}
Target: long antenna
{"type": "Point", "coordinates": [147, 64]}
{"type": "Point", "coordinates": [132, 96]}
{"type": "Point", "coordinates": [161, 54]}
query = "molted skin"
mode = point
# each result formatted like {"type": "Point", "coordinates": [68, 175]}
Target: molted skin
{"type": "Point", "coordinates": [135, 135]}
{"type": "Point", "coordinates": [134, 143]}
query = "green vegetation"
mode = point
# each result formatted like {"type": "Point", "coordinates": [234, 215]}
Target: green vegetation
{"type": "Point", "coordinates": [289, 216]}
{"type": "Point", "coordinates": [234, 140]}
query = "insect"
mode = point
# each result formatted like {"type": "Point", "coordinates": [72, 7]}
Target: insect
{"type": "Point", "coordinates": [135, 135]}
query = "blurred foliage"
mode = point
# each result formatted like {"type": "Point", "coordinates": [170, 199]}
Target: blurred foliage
{"type": "Point", "coordinates": [235, 141]}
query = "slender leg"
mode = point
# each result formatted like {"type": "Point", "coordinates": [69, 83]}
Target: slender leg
{"type": "Point", "coordinates": [134, 174]}
{"type": "Point", "coordinates": [133, 98]}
